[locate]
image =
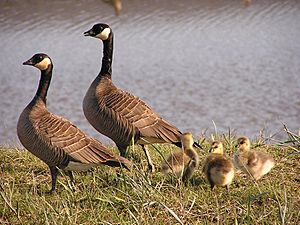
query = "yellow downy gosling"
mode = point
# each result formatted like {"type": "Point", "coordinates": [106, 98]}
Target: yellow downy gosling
{"type": "Point", "coordinates": [253, 163]}
{"type": "Point", "coordinates": [182, 163]}
{"type": "Point", "coordinates": [218, 170]}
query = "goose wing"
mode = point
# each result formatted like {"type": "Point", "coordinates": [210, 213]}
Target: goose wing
{"type": "Point", "coordinates": [130, 109]}
{"type": "Point", "coordinates": [62, 135]}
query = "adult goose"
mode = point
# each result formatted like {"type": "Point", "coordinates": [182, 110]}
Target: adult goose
{"type": "Point", "coordinates": [55, 140]}
{"type": "Point", "coordinates": [118, 114]}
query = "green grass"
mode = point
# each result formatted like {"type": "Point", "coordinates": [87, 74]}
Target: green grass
{"type": "Point", "coordinates": [106, 195]}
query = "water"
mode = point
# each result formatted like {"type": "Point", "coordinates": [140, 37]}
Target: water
{"type": "Point", "coordinates": [195, 62]}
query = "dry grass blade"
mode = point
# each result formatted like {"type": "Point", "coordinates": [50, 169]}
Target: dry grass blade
{"type": "Point", "coordinates": [193, 202]}
{"type": "Point", "coordinates": [172, 213]}
{"type": "Point", "coordinates": [293, 137]}
{"type": "Point", "coordinates": [8, 202]}
{"type": "Point", "coordinates": [282, 209]}
{"type": "Point", "coordinates": [133, 216]}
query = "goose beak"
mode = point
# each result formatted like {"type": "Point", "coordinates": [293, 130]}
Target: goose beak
{"type": "Point", "coordinates": [28, 62]}
{"type": "Point", "coordinates": [89, 33]}
{"type": "Point", "coordinates": [197, 145]}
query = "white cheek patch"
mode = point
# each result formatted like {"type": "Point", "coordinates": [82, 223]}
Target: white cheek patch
{"type": "Point", "coordinates": [104, 34]}
{"type": "Point", "coordinates": [43, 65]}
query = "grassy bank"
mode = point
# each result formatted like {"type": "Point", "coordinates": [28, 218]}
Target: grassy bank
{"type": "Point", "coordinates": [103, 197]}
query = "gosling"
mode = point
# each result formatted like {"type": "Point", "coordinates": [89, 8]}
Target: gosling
{"type": "Point", "coordinates": [254, 163]}
{"type": "Point", "coordinates": [218, 170]}
{"type": "Point", "coordinates": [182, 163]}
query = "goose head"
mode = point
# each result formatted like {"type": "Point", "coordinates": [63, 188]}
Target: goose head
{"type": "Point", "coordinates": [99, 30]}
{"type": "Point", "coordinates": [187, 140]}
{"type": "Point", "coordinates": [243, 144]}
{"type": "Point", "coordinates": [40, 61]}
{"type": "Point", "coordinates": [216, 147]}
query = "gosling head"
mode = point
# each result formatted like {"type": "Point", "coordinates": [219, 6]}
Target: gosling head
{"type": "Point", "coordinates": [40, 61]}
{"type": "Point", "coordinates": [243, 144]}
{"type": "Point", "coordinates": [216, 147]}
{"type": "Point", "coordinates": [187, 140]}
{"type": "Point", "coordinates": [99, 30]}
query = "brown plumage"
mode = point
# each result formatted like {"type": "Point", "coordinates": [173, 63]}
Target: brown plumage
{"type": "Point", "coordinates": [55, 140]}
{"type": "Point", "coordinates": [218, 170]}
{"type": "Point", "coordinates": [182, 163]}
{"type": "Point", "coordinates": [254, 163]}
{"type": "Point", "coordinates": [118, 114]}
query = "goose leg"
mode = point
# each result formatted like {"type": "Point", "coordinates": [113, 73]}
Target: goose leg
{"type": "Point", "coordinates": [122, 150]}
{"type": "Point", "coordinates": [151, 168]}
{"type": "Point", "coordinates": [227, 188]}
{"type": "Point", "coordinates": [212, 185]}
{"type": "Point", "coordinates": [71, 176]}
{"type": "Point", "coordinates": [188, 172]}
{"type": "Point", "coordinates": [54, 172]}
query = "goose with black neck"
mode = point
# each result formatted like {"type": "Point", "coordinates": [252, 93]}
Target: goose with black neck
{"type": "Point", "coordinates": [55, 140]}
{"type": "Point", "coordinates": [120, 115]}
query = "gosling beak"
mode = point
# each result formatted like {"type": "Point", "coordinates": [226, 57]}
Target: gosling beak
{"type": "Point", "coordinates": [89, 33]}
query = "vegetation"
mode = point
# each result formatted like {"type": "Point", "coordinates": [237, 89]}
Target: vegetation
{"type": "Point", "coordinates": [112, 196]}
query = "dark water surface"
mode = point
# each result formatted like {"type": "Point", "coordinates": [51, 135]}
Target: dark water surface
{"type": "Point", "coordinates": [194, 61]}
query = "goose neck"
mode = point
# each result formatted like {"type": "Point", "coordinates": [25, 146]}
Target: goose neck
{"type": "Point", "coordinates": [106, 68]}
{"type": "Point", "coordinates": [44, 83]}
